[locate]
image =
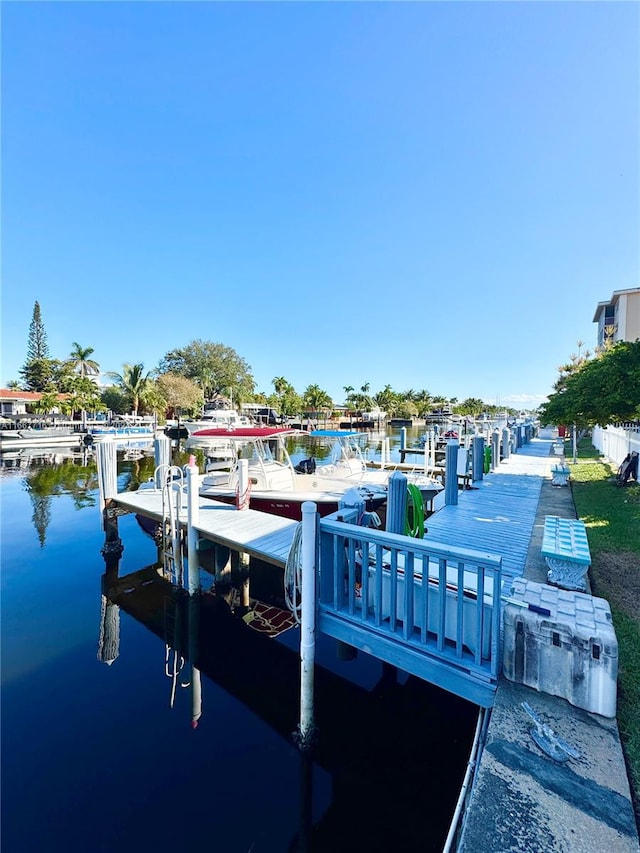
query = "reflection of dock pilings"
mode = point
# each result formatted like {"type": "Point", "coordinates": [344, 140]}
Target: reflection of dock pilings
{"type": "Point", "coordinates": [109, 640]}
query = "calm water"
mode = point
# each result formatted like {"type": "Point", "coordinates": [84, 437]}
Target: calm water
{"type": "Point", "coordinates": [103, 756]}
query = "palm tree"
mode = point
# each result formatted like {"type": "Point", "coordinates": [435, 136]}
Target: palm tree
{"type": "Point", "coordinates": [317, 399]}
{"type": "Point", "coordinates": [47, 402]}
{"type": "Point", "coordinates": [134, 382]}
{"type": "Point", "coordinates": [80, 361]}
{"type": "Point", "coordinates": [280, 384]}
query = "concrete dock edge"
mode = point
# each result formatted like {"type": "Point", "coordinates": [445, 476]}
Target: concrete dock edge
{"type": "Point", "coordinates": [523, 800]}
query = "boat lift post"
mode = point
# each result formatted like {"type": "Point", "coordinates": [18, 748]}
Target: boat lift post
{"type": "Point", "coordinates": [307, 624]}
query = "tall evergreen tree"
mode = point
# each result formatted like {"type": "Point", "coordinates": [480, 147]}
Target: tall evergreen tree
{"type": "Point", "coordinates": [37, 346]}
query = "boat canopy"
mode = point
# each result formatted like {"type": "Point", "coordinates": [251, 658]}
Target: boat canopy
{"type": "Point", "coordinates": [334, 433]}
{"type": "Point", "coordinates": [244, 433]}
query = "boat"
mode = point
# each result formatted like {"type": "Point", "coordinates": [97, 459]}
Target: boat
{"type": "Point", "coordinates": [275, 486]}
{"type": "Point", "coordinates": [38, 437]}
{"type": "Point", "coordinates": [214, 419]}
{"type": "Point", "coordinates": [123, 432]}
{"type": "Point", "coordinates": [347, 462]}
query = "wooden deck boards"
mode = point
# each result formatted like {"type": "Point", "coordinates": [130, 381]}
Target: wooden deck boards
{"type": "Point", "coordinates": [497, 514]}
{"type": "Point", "coordinates": [260, 534]}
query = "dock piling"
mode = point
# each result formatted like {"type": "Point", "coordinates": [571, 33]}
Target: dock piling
{"type": "Point", "coordinates": [162, 456]}
{"type": "Point", "coordinates": [193, 514]}
{"type": "Point", "coordinates": [397, 500]}
{"type": "Point", "coordinates": [477, 458]}
{"type": "Point", "coordinates": [451, 473]}
{"type": "Point", "coordinates": [107, 463]}
{"type": "Point", "coordinates": [307, 623]}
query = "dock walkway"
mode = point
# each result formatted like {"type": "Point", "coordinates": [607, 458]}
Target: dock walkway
{"type": "Point", "coordinates": [259, 534]}
{"type": "Point", "coordinates": [497, 513]}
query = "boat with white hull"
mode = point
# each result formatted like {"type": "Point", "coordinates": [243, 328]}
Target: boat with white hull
{"type": "Point", "coordinates": [274, 484]}
{"type": "Point", "coordinates": [33, 437]}
{"type": "Point", "coordinates": [347, 462]}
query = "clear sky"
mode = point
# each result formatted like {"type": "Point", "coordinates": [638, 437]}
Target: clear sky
{"type": "Point", "coordinates": [430, 195]}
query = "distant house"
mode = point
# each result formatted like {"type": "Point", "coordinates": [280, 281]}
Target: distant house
{"type": "Point", "coordinates": [619, 318]}
{"type": "Point", "coordinates": [14, 403]}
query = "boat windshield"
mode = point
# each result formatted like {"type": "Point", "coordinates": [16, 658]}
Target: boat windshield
{"type": "Point", "coordinates": [256, 452]}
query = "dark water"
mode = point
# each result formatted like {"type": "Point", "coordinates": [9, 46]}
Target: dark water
{"type": "Point", "coordinates": [103, 756]}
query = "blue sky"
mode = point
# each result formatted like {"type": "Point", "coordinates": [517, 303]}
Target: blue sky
{"type": "Point", "coordinates": [426, 195]}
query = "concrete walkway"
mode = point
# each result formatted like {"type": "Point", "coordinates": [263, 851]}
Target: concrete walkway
{"type": "Point", "coordinates": [521, 799]}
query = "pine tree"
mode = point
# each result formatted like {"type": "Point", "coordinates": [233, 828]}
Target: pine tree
{"type": "Point", "coordinates": [37, 346]}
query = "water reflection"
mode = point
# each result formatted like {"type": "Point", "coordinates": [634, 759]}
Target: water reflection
{"type": "Point", "coordinates": [394, 753]}
{"type": "Point", "coordinates": [50, 474]}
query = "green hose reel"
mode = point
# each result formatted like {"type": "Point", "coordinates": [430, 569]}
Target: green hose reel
{"type": "Point", "coordinates": [414, 519]}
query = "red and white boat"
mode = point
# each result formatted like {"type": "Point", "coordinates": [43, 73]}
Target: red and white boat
{"type": "Point", "coordinates": [275, 486]}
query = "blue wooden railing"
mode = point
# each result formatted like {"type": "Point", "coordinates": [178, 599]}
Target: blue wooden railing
{"type": "Point", "coordinates": [372, 596]}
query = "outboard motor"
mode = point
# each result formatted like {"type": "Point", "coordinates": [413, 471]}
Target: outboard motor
{"type": "Point", "coordinates": [306, 466]}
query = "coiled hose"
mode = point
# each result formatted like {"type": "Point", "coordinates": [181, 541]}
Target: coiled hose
{"type": "Point", "coordinates": [414, 520]}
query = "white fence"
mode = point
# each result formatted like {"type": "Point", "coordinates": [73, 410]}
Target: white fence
{"type": "Point", "coordinates": [615, 442]}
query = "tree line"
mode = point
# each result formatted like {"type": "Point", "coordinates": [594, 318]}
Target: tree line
{"type": "Point", "coordinates": [600, 388]}
{"type": "Point", "coordinates": [200, 371]}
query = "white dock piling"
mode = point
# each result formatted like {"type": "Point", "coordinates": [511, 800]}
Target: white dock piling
{"type": "Point", "coordinates": [107, 463]}
{"type": "Point", "coordinates": [244, 485]}
{"type": "Point", "coordinates": [193, 514]}
{"type": "Point", "coordinates": [162, 456]}
{"type": "Point", "coordinates": [307, 622]}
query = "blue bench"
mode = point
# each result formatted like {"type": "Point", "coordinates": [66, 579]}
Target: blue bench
{"type": "Point", "coordinates": [566, 550]}
{"type": "Point", "coordinates": [560, 475]}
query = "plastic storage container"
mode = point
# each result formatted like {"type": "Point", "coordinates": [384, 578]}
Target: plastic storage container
{"type": "Point", "coordinates": [565, 645]}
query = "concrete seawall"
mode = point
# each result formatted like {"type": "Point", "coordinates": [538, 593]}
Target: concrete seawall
{"type": "Point", "coordinates": [523, 800]}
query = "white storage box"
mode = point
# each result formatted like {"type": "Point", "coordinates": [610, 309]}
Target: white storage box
{"type": "Point", "coordinates": [565, 645]}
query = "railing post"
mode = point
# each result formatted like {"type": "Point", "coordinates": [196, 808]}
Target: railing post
{"type": "Point", "coordinates": [307, 623]}
{"type": "Point", "coordinates": [451, 473]}
{"type": "Point", "coordinates": [193, 515]}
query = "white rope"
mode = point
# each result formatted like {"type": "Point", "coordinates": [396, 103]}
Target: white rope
{"type": "Point", "coordinates": [293, 574]}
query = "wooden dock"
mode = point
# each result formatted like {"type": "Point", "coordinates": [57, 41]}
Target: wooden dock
{"type": "Point", "coordinates": [259, 534]}
{"type": "Point", "coordinates": [486, 534]}
{"type": "Point", "coordinates": [498, 513]}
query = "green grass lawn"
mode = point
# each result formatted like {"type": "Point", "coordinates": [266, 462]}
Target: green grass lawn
{"type": "Point", "coordinates": [612, 517]}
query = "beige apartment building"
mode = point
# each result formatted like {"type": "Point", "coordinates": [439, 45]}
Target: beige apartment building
{"type": "Point", "coordinates": [618, 319]}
